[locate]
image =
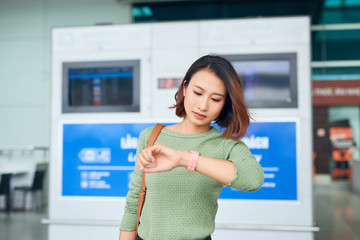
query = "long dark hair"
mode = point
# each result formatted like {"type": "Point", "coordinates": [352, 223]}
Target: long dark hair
{"type": "Point", "coordinates": [234, 116]}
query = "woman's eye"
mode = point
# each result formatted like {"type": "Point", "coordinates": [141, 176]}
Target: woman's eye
{"type": "Point", "coordinates": [216, 100]}
{"type": "Point", "coordinates": [197, 93]}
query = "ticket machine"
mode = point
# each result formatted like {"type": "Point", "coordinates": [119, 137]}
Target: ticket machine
{"type": "Point", "coordinates": [110, 82]}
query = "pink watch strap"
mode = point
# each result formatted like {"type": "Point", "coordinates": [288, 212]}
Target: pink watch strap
{"type": "Point", "coordinates": [193, 161]}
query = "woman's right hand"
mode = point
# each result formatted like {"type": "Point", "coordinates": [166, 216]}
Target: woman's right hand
{"type": "Point", "coordinates": [159, 158]}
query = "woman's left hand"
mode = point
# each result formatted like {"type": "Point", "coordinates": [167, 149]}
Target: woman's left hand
{"type": "Point", "coordinates": [159, 158]}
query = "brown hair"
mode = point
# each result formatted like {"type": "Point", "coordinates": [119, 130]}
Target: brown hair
{"type": "Point", "coordinates": [234, 116]}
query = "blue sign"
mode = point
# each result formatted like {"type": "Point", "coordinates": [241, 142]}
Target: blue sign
{"type": "Point", "coordinates": [98, 159]}
{"type": "Point", "coordinates": [274, 146]}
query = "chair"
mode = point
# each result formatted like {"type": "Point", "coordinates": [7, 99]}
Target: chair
{"type": "Point", "coordinates": [37, 185]}
{"type": "Point", "coordinates": [5, 190]}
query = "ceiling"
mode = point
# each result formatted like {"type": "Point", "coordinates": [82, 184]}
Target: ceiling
{"type": "Point", "coordinates": [155, 11]}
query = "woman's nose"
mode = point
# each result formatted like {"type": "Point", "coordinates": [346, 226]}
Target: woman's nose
{"type": "Point", "coordinates": [203, 106]}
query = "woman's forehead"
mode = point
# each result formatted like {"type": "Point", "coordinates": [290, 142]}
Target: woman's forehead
{"type": "Point", "coordinates": [208, 81]}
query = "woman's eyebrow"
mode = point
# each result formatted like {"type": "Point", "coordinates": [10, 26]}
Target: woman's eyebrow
{"type": "Point", "coordinates": [215, 93]}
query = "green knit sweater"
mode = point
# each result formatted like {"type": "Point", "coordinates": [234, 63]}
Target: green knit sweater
{"type": "Point", "coordinates": [181, 204]}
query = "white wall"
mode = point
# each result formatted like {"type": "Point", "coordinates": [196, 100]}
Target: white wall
{"type": "Point", "coordinates": [25, 30]}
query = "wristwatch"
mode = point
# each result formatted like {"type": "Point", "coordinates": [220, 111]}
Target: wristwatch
{"type": "Point", "coordinates": [193, 160]}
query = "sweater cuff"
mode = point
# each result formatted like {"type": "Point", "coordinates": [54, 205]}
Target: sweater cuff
{"type": "Point", "coordinates": [234, 179]}
{"type": "Point", "coordinates": [128, 222]}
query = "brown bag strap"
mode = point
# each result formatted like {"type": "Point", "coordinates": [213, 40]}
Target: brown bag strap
{"type": "Point", "coordinates": [154, 134]}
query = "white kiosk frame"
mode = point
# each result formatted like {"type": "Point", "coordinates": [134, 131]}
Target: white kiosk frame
{"type": "Point", "coordinates": [167, 50]}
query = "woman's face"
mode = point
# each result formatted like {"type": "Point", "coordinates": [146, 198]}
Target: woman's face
{"type": "Point", "coordinates": [204, 99]}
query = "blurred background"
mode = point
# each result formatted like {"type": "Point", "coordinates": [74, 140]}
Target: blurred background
{"type": "Point", "coordinates": [27, 91]}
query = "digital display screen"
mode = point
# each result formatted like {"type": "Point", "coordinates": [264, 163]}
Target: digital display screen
{"type": "Point", "coordinates": [265, 80]}
{"type": "Point", "coordinates": [269, 80]}
{"type": "Point", "coordinates": [101, 86]}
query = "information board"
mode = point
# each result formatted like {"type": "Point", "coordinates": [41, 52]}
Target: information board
{"type": "Point", "coordinates": [274, 146]}
{"type": "Point", "coordinates": [98, 159]}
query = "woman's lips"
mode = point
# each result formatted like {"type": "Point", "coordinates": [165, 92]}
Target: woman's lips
{"type": "Point", "coordinates": [199, 116]}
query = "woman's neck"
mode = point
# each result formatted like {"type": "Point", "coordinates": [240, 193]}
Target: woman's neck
{"type": "Point", "coordinates": [184, 127]}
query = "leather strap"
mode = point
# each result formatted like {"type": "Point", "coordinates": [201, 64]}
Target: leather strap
{"type": "Point", "coordinates": [154, 134]}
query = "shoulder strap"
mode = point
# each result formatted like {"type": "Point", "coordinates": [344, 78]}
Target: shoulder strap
{"type": "Point", "coordinates": [154, 134]}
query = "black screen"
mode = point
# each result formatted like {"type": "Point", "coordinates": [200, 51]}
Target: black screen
{"type": "Point", "coordinates": [269, 80]}
{"type": "Point", "coordinates": [101, 86]}
{"type": "Point", "coordinates": [265, 80]}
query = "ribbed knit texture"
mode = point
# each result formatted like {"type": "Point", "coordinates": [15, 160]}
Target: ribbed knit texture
{"type": "Point", "coordinates": [181, 204]}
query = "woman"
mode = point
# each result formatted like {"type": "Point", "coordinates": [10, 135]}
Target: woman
{"type": "Point", "coordinates": [182, 203]}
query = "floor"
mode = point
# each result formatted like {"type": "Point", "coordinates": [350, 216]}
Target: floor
{"type": "Point", "coordinates": [23, 226]}
{"type": "Point", "coordinates": [336, 210]}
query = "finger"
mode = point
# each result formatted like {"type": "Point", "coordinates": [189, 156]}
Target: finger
{"type": "Point", "coordinates": [141, 167]}
{"type": "Point", "coordinates": [144, 161]}
{"type": "Point", "coordinates": [151, 169]}
{"type": "Point", "coordinates": [156, 149]}
{"type": "Point", "coordinates": [148, 155]}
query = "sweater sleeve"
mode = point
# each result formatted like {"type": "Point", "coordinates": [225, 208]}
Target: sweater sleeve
{"type": "Point", "coordinates": [128, 222]}
{"type": "Point", "coordinates": [249, 175]}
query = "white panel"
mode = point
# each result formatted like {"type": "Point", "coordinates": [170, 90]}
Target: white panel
{"type": "Point", "coordinates": [252, 49]}
{"type": "Point", "coordinates": [304, 81]}
{"type": "Point", "coordinates": [174, 35]}
{"type": "Point", "coordinates": [60, 232]}
{"type": "Point", "coordinates": [254, 31]}
{"type": "Point", "coordinates": [54, 180]}
{"type": "Point", "coordinates": [76, 232]}
{"type": "Point", "coordinates": [266, 212]}
{"type": "Point", "coordinates": [173, 62]}
{"type": "Point", "coordinates": [123, 37]}
{"type": "Point", "coordinates": [161, 104]}
{"type": "Point", "coordinates": [87, 208]}
{"type": "Point", "coordinates": [306, 182]}
{"type": "Point", "coordinates": [168, 62]}
{"type": "Point", "coordinates": [268, 235]}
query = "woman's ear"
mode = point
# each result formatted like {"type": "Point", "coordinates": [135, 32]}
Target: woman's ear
{"type": "Point", "coordinates": [184, 87]}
